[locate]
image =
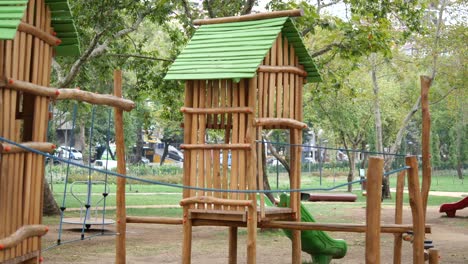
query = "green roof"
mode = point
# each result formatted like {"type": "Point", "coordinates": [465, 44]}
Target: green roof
{"type": "Point", "coordinates": [12, 11]}
{"type": "Point", "coordinates": [235, 50]}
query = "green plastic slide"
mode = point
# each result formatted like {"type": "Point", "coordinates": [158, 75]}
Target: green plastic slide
{"type": "Point", "coordinates": [318, 244]}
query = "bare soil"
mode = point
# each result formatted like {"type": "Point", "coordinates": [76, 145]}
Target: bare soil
{"type": "Point", "coordinates": [162, 243]}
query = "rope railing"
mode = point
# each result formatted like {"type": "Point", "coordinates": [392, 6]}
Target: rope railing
{"type": "Point", "coordinates": [129, 177]}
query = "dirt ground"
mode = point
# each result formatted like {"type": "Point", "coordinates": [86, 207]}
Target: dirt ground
{"type": "Point", "coordinates": [163, 243]}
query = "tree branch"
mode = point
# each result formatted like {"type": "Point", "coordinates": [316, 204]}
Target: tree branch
{"type": "Point", "coordinates": [444, 96]}
{"type": "Point", "coordinates": [95, 49]}
{"type": "Point", "coordinates": [248, 7]}
{"type": "Point", "coordinates": [326, 49]}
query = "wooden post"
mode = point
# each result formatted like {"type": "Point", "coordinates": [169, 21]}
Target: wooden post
{"type": "Point", "coordinates": [232, 245]}
{"type": "Point", "coordinates": [398, 217]}
{"type": "Point", "coordinates": [425, 141]}
{"type": "Point", "coordinates": [433, 256]}
{"type": "Point", "coordinates": [416, 210]}
{"type": "Point", "coordinates": [252, 234]}
{"type": "Point", "coordinates": [374, 195]}
{"type": "Point", "coordinates": [120, 250]}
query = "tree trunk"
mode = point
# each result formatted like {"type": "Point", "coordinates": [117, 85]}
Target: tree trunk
{"type": "Point", "coordinates": [139, 144]}
{"type": "Point", "coordinates": [266, 182]}
{"type": "Point", "coordinates": [165, 152]}
{"type": "Point", "coordinates": [377, 114]}
{"type": "Point", "coordinates": [352, 167]}
{"type": "Point", "coordinates": [50, 205]}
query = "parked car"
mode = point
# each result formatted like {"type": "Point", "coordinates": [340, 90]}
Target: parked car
{"type": "Point", "coordinates": [105, 164]}
{"type": "Point", "coordinates": [66, 152]}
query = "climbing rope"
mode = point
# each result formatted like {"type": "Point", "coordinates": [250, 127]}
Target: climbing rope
{"type": "Point", "coordinates": [68, 162]}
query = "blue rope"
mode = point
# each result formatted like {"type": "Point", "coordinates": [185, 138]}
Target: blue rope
{"type": "Point", "coordinates": [62, 208]}
{"type": "Point", "coordinates": [178, 185]}
{"type": "Point", "coordinates": [396, 170]}
{"type": "Point", "coordinates": [88, 198]}
{"type": "Point", "coordinates": [340, 149]}
{"type": "Point", "coordinates": [106, 175]}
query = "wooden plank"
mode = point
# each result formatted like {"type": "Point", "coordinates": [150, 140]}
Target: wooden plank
{"type": "Point", "coordinates": [300, 99]}
{"type": "Point", "coordinates": [338, 227]}
{"type": "Point", "coordinates": [397, 244]}
{"type": "Point", "coordinates": [433, 256]}
{"type": "Point", "coordinates": [265, 89]}
{"type": "Point", "coordinates": [252, 234]}
{"type": "Point", "coordinates": [250, 17]}
{"type": "Point", "coordinates": [225, 178]}
{"type": "Point", "coordinates": [222, 101]}
{"type": "Point", "coordinates": [374, 194]}
{"type": "Point", "coordinates": [297, 94]}
{"type": "Point", "coordinates": [417, 209]}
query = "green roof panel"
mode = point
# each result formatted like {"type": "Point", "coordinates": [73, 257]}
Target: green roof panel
{"type": "Point", "coordinates": [12, 11]}
{"type": "Point", "coordinates": [235, 50]}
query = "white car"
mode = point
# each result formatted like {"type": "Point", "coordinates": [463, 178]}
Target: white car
{"type": "Point", "coordinates": [69, 152]}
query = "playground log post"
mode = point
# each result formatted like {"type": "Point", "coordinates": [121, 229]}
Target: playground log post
{"type": "Point", "coordinates": [425, 140]}
{"type": "Point", "coordinates": [398, 216]}
{"type": "Point", "coordinates": [416, 210]}
{"type": "Point", "coordinates": [433, 256]}
{"type": "Point", "coordinates": [374, 195]}
{"type": "Point", "coordinates": [120, 254]}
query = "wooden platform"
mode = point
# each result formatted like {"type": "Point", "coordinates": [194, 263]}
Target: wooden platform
{"type": "Point", "coordinates": [332, 197]}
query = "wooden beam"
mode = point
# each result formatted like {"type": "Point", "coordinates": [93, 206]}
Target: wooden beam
{"type": "Point", "coordinates": [425, 140]}
{"type": "Point", "coordinates": [22, 234]}
{"type": "Point", "coordinates": [38, 33]}
{"type": "Point", "coordinates": [417, 210]}
{"type": "Point", "coordinates": [121, 229]}
{"type": "Point", "coordinates": [216, 110]}
{"type": "Point", "coordinates": [213, 200]}
{"type": "Point", "coordinates": [374, 195]}
{"type": "Point", "coordinates": [68, 93]}
{"type": "Point", "coordinates": [398, 240]}
{"type": "Point", "coordinates": [6, 148]}
{"type": "Point", "coordinates": [154, 220]}
{"type": "Point", "coordinates": [288, 122]}
{"type": "Point", "coordinates": [250, 17]}
{"type": "Point", "coordinates": [215, 146]}
{"type": "Point", "coordinates": [338, 227]}
{"type": "Point", "coordinates": [282, 69]}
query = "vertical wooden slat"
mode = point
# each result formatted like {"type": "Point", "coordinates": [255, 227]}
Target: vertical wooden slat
{"type": "Point", "coordinates": [292, 82]}
{"type": "Point", "coordinates": [417, 210]}
{"type": "Point", "coordinates": [374, 194]}
{"type": "Point", "coordinates": [8, 160]}
{"type": "Point", "coordinates": [194, 140]}
{"type": "Point", "coordinates": [225, 178]}
{"type": "Point", "coordinates": [272, 84]}
{"type": "Point", "coordinates": [187, 227]}
{"type": "Point", "coordinates": [188, 102]}
{"type": "Point", "coordinates": [252, 234]}
{"type": "Point", "coordinates": [260, 94]}
{"type": "Point", "coordinates": [235, 139]}
{"type": "Point", "coordinates": [209, 101]}
{"type": "Point", "coordinates": [300, 91]}
{"type": "Point", "coordinates": [286, 79]}
{"type": "Point", "coordinates": [251, 135]}
{"type": "Point", "coordinates": [279, 76]}
{"type": "Point", "coordinates": [266, 84]}
{"type": "Point", "coordinates": [222, 101]}
{"type": "Point", "coordinates": [2, 172]}
{"type": "Point", "coordinates": [215, 99]}
{"type": "Point", "coordinates": [201, 138]}
{"type": "Point", "coordinates": [297, 94]}
{"type": "Point", "coordinates": [216, 175]}
{"type": "Point", "coordinates": [242, 139]}
{"type": "Point", "coordinates": [398, 217]}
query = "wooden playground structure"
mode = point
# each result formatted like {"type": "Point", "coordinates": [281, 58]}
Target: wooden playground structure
{"type": "Point", "coordinates": [28, 40]}
{"type": "Point", "coordinates": [244, 75]}
{"type": "Point", "coordinates": [256, 84]}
